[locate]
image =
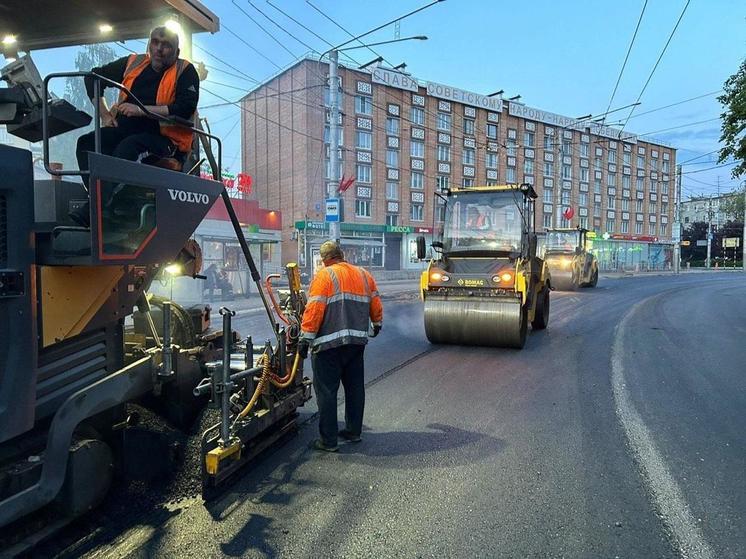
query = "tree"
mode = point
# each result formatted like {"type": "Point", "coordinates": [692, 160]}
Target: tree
{"type": "Point", "coordinates": [734, 121]}
{"type": "Point", "coordinates": [732, 207]}
{"type": "Point", "coordinates": [90, 56]}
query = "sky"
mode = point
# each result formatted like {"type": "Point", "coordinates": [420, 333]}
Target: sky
{"type": "Point", "coordinates": [560, 56]}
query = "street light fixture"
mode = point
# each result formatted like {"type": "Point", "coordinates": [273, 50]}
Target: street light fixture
{"type": "Point", "coordinates": [514, 98]}
{"type": "Point", "coordinates": [377, 59]}
{"type": "Point", "coordinates": [402, 66]}
{"type": "Point", "coordinates": [496, 93]}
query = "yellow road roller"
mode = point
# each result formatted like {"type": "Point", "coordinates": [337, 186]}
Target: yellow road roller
{"type": "Point", "coordinates": [485, 282]}
{"type": "Point", "coordinates": [568, 258]}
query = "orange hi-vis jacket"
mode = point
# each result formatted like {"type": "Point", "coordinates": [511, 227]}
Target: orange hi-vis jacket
{"type": "Point", "coordinates": [181, 137]}
{"type": "Point", "coordinates": [342, 299]}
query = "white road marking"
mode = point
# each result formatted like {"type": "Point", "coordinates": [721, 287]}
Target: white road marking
{"type": "Point", "coordinates": [666, 494]}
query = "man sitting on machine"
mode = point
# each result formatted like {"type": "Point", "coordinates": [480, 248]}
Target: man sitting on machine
{"type": "Point", "coordinates": [167, 85]}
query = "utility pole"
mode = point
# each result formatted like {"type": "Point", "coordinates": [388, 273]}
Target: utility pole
{"type": "Point", "coordinates": [333, 186]}
{"type": "Point", "coordinates": [709, 232]}
{"type": "Point", "coordinates": [677, 223]}
{"type": "Point", "coordinates": [743, 240]}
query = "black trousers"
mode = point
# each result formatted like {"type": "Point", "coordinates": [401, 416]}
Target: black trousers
{"type": "Point", "coordinates": [117, 143]}
{"type": "Point", "coordinates": [343, 364]}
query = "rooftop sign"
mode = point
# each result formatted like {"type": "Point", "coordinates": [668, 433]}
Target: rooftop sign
{"type": "Point", "coordinates": [395, 79]}
{"type": "Point", "coordinates": [466, 97]}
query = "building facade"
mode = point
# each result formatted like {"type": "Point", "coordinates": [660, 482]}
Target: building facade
{"type": "Point", "coordinates": [402, 140]}
{"type": "Point", "coordinates": [701, 209]}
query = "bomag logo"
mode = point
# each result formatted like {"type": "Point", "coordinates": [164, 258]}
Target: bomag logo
{"type": "Point", "coordinates": [471, 282]}
{"type": "Point", "coordinates": [191, 197]}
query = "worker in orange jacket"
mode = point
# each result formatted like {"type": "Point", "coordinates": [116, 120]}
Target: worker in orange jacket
{"type": "Point", "coordinates": [167, 85]}
{"type": "Point", "coordinates": [342, 302]}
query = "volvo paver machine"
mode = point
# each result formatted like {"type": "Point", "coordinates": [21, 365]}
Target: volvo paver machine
{"type": "Point", "coordinates": [70, 359]}
{"type": "Point", "coordinates": [569, 260]}
{"type": "Point", "coordinates": [486, 283]}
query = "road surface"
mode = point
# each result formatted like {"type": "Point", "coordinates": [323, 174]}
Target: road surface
{"type": "Point", "coordinates": [617, 432]}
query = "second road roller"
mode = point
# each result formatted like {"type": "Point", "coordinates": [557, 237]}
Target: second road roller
{"type": "Point", "coordinates": [568, 258]}
{"type": "Point", "coordinates": [485, 282]}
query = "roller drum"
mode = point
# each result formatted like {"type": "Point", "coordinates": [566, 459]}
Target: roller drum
{"type": "Point", "coordinates": [494, 322]}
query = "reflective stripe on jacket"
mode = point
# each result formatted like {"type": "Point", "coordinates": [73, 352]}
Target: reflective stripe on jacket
{"type": "Point", "coordinates": [342, 299]}
{"type": "Point", "coordinates": [181, 137]}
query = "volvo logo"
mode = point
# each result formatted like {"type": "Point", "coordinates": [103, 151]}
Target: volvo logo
{"type": "Point", "coordinates": [191, 197]}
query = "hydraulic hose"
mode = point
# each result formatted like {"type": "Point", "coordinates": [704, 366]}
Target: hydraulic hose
{"type": "Point", "coordinates": [259, 389]}
{"type": "Point", "coordinates": [288, 379]}
{"type": "Point", "coordinates": [270, 292]}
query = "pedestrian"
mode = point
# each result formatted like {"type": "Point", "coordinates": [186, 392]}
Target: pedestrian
{"type": "Point", "coordinates": [166, 85]}
{"type": "Point", "coordinates": [342, 302]}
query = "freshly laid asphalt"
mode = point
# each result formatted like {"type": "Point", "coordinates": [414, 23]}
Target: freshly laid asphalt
{"type": "Point", "coordinates": [617, 432]}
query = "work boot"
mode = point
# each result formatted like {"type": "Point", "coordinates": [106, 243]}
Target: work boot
{"type": "Point", "coordinates": [349, 436]}
{"type": "Point", "coordinates": [318, 444]}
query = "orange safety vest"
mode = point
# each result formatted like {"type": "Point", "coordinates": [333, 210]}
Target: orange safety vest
{"type": "Point", "coordinates": [342, 300]}
{"type": "Point", "coordinates": [181, 136]}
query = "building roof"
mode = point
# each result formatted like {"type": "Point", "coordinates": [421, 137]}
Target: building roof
{"type": "Point", "coordinates": [76, 22]}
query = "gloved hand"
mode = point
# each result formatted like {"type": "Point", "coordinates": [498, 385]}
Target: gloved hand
{"type": "Point", "coordinates": [376, 329]}
{"type": "Point", "coordinates": [303, 346]}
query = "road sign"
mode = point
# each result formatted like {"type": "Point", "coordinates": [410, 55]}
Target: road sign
{"type": "Point", "coordinates": [702, 243]}
{"type": "Point", "coordinates": [685, 243]}
{"type": "Point", "coordinates": [333, 210]}
{"type": "Point", "coordinates": [732, 242]}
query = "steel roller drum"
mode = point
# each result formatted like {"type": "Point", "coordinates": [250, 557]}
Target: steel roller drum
{"type": "Point", "coordinates": [494, 322]}
{"type": "Point", "coordinates": [562, 279]}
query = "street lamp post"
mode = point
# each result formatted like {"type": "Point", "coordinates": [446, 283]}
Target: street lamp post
{"type": "Point", "coordinates": [332, 189]}
{"type": "Point", "coordinates": [743, 240]}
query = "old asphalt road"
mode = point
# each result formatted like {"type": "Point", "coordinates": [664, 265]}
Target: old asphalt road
{"type": "Point", "coordinates": [617, 432]}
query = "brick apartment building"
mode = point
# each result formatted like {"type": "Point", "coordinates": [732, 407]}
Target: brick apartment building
{"type": "Point", "coordinates": [403, 139]}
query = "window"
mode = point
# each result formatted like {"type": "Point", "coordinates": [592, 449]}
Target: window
{"type": "Point", "coordinates": [664, 187]}
{"type": "Point", "coordinates": [418, 116]}
{"type": "Point", "coordinates": [597, 163]}
{"type": "Point", "coordinates": [417, 181]}
{"type": "Point", "coordinates": [392, 191]}
{"type": "Point", "coordinates": [625, 205]}
{"type": "Point", "coordinates": [584, 150]}
{"type": "Point", "coordinates": [444, 153]}
{"type": "Point", "coordinates": [640, 162]}
{"type": "Point", "coordinates": [664, 207]}
{"type": "Point", "coordinates": [492, 131]}
{"type": "Point", "coordinates": [597, 186]}
{"type": "Point", "coordinates": [652, 229]}
{"type": "Point", "coordinates": [638, 228]}
{"type": "Point", "coordinates": [364, 105]}
{"type": "Point", "coordinates": [442, 182]}
{"type": "Point", "coordinates": [444, 121]}
{"type": "Point", "coordinates": [528, 139]}
{"type": "Point", "coordinates": [610, 225]}
{"type": "Point", "coordinates": [583, 199]}
{"type": "Point", "coordinates": [565, 198]}
{"type": "Point", "coordinates": [362, 208]}
{"type": "Point", "coordinates": [547, 221]}
{"type": "Point", "coordinates": [664, 228]}
{"type": "Point", "coordinates": [611, 179]}
{"type": "Point", "coordinates": [329, 169]}
{"type": "Point", "coordinates": [340, 132]}
{"type": "Point", "coordinates": [528, 166]}
{"type": "Point", "coordinates": [666, 166]}
{"type": "Point", "coordinates": [548, 196]}
{"type": "Point", "coordinates": [625, 225]}
{"type": "Point", "coordinates": [469, 156]}
{"type": "Point", "coordinates": [392, 219]}
{"type": "Point", "coordinates": [611, 201]}
{"type": "Point", "coordinates": [566, 172]}
{"type": "Point", "coordinates": [416, 212]}
{"type": "Point", "coordinates": [510, 174]}
{"type": "Point", "coordinates": [584, 222]}
{"type": "Point", "coordinates": [468, 126]}
{"type": "Point", "coordinates": [548, 169]}
{"type": "Point", "coordinates": [566, 148]}
{"type": "Point", "coordinates": [491, 161]}
{"type": "Point", "coordinates": [596, 210]}
{"type": "Point", "coordinates": [467, 183]}
{"type": "Point", "coordinates": [392, 126]}
{"type": "Point", "coordinates": [627, 158]}
{"type": "Point", "coordinates": [653, 186]}
{"type": "Point", "coordinates": [612, 156]}
{"type": "Point", "coordinates": [511, 147]}
{"type": "Point", "coordinates": [548, 142]}
{"type": "Point", "coordinates": [363, 140]}
{"type": "Point", "coordinates": [638, 205]}
{"type": "Point", "coordinates": [653, 207]}
{"type": "Point", "coordinates": [584, 174]}
{"type": "Point", "coordinates": [626, 182]}
{"type": "Point", "coordinates": [417, 149]}
{"type": "Point", "coordinates": [639, 184]}
{"type": "Point", "coordinates": [392, 158]}
{"type": "Point", "coordinates": [440, 212]}
{"type": "Point", "coordinates": [364, 173]}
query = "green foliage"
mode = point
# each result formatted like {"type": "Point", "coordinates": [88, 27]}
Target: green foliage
{"type": "Point", "coordinates": [698, 231]}
{"type": "Point", "coordinates": [734, 121]}
{"type": "Point", "coordinates": [733, 207]}
{"type": "Point", "coordinates": [62, 148]}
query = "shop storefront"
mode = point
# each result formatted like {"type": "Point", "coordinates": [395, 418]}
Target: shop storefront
{"type": "Point", "coordinates": [376, 247]}
{"type": "Point", "coordinates": [631, 252]}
